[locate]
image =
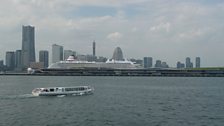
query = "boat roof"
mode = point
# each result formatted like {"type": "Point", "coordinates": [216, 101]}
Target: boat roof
{"type": "Point", "coordinates": [66, 87]}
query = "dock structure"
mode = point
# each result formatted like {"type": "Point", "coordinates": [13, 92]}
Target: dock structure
{"type": "Point", "coordinates": [131, 72]}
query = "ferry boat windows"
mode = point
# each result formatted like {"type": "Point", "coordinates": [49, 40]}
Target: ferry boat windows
{"type": "Point", "coordinates": [51, 90]}
{"type": "Point", "coordinates": [75, 89]}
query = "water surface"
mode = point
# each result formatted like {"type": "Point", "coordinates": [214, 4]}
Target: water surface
{"type": "Point", "coordinates": [117, 101]}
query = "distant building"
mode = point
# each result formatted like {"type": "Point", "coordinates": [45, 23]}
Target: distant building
{"type": "Point", "coordinates": [91, 58]}
{"type": "Point", "coordinates": [1, 65]}
{"type": "Point", "coordinates": [82, 57]}
{"type": "Point", "coordinates": [57, 53]}
{"type": "Point", "coordinates": [188, 63]}
{"type": "Point", "coordinates": [18, 59]}
{"type": "Point", "coordinates": [37, 65]}
{"type": "Point", "coordinates": [197, 62]}
{"type": "Point", "coordinates": [180, 65]}
{"type": "Point", "coordinates": [10, 60]}
{"type": "Point", "coordinates": [94, 48]}
{"type": "Point", "coordinates": [158, 64]}
{"type": "Point", "coordinates": [164, 65]}
{"type": "Point", "coordinates": [101, 59]}
{"type": "Point", "coordinates": [28, 45]}
{"type": "Point", "coordinates": [137, 61]}
{"type": "Point", "coordinates": [44, 58]}
{"type": "Point", "coordinates": [118, 55]}
{"type": "Point", "coordinates": [147, 62]}
{"type": "Point", "coordinates": [68, 53]}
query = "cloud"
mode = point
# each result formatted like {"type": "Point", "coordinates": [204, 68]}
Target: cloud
{"type": "Point", "coordinates": [115, 36]}
{"type": "Point", "coordinates": [161, 27]}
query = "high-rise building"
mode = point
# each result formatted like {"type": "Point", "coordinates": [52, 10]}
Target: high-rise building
{"type": "Point", "coordinates": [10, 60]}
{"type": "Point", "coordinates": [57, 53]}
{"type": "Point", "coordinates": [44, 58]}
{"type": "Point", "coordinates": [147, 62]}
{"type": "Point", "coordinates": [197, 62]}
{"type": "Point", "coordinates": [18, 59]}
{"type": "Point", "coordinates": [68, 53]}
{"type": "Point", "coordinates": [28, 45]}
{"type": "Point", "coordinates": [188, 63]}
{"type": "Point", "coordinates": [94, 48]}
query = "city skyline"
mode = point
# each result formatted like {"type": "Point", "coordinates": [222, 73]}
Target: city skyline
{"type": "Point", "coordinates": [168, 31]}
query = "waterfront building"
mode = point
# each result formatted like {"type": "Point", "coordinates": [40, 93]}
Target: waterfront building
{"type": "Point", "coordinates": [188, 63]}
{"type": "Point", "coordinates": [44, 58]}
{"type": "Point", "coordinates": [37, 65]}
{"type": "Point", "coordinates": [137, 61]}
{"type": "Point", "coordinates": [82, 57]}
{"type": "Point", "coordinates": [101, 59]}
{"type": "Point", "coordinates": [57, 53]}
{"type": "Point", "coordinates": [94, 48]}
{"type": "Point", "coordinates": [180, 65]}
{"type": "Point", "coordinates": [197, 62]}
{"type": "Point", "coordinates": [147, 62]}
{"type": "Point", "coordinates": [18, 59]}
{"type": "Point", "coordinates": [28, 45]}
{"type": "Point", "coordinates": [90, 58]}
{"type": "Point", "coordinates": [164, 65]}
{"type": "Point", "coordinates": [118, 55]}
{"type": "Point", "coordinates": [68, 53]}
{"type": "Point", "coordinates": [10, 60]}
{"type": "Point", "coordinates": [158, 64]}
{"type": "Point", "coordinates": [1, 65]}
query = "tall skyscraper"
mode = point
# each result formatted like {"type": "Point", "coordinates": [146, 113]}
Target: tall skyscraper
{"type": "Point", "coordinates": [44, 57]}
{"type": "Point", "coordinates": [197, 62]}
{"type": "Point", "coordinates": [57, 53]}
{"type": "Point", "coordinates": [188, 63]}
{"type": "Point", "coordinates": [10, 60]}
{"type": "Point", "coordinates": [18, 58]}
{"type": "Point", "coordinates": [94, 48]}
{"type": "Point", "coordinates": [147, 62]}
{"type": "Point", "coordinates": [28, 45]}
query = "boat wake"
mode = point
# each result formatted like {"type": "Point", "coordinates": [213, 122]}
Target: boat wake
{"type": "Point", "coordinates": [26, 96]}
{"type": "Point", "coordinates": [22, 96]}
{"type": "Point", "coordinates": [61, 96]}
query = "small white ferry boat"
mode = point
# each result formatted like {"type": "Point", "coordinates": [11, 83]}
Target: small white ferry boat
{"type": "Point", "coordinates": [57, 91]}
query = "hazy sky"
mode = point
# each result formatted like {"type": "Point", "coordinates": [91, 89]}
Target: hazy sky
{"type": "Point", "coordinates": [169, 30]}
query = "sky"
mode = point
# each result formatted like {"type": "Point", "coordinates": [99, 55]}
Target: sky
{"type": "Point", "coordinates": [167, 30]}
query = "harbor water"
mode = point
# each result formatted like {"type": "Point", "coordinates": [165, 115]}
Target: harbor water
{"type": "Point", "coordinates": [117, 101]}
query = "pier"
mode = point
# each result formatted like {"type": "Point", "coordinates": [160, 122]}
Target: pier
{"type": "Point", "coordinates": [130, 72]}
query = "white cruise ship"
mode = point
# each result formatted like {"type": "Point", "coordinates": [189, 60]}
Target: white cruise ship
{"type": "Point", "coordinates": [72, 63]}
{"type": "Point", "coordinates": [117, 62]}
